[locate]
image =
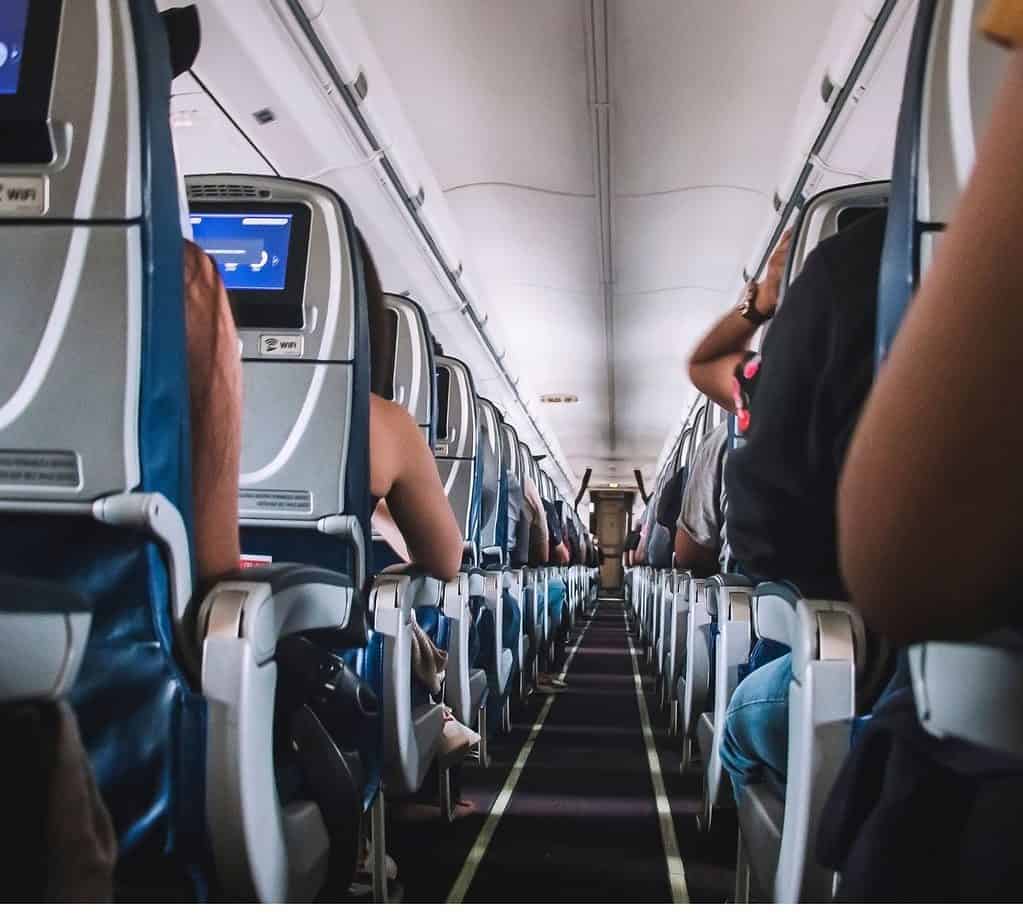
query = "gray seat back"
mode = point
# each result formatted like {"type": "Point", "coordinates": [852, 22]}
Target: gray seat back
{"type": "Point", "coordinates": [414, 384]}
{"type": "Point", "coordinates": [825, 215]}
{"type": "Point", "coordinates": [304, 459]}
{"type": "Point", "coordinates": [73, 242]}
{"type": "Point", "coordinates": [458, 439]}
{"type": "Point", "coordinates": [510, 450]}
{"type": "Point", "coordinates": [491, 457]}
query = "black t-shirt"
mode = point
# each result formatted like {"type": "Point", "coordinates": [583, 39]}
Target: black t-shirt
{"type": "Point", "coordinates": [554, 530]}
{"type": "Point", "coordinates": [816, 370]}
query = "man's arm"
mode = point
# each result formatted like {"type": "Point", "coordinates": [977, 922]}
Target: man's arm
{"type": "Point", "coordinates": [929, 501]}
{"type": "Point", "coordinates": [691, 555]}
{"type": "Point", "coordinates": [712, 364]}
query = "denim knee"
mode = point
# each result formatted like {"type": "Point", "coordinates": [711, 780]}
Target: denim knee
{"type": "Point", "coordinates": [754, 744]}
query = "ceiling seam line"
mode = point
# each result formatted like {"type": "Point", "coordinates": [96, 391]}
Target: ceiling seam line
{"type": "Point", "coordinates": [524, 187]}
{"type": "Point", "coordinates": [697, 187]}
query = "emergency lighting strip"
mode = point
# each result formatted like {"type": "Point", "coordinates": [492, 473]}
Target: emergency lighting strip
{"type": "Point", "coordinates": [411, 204]}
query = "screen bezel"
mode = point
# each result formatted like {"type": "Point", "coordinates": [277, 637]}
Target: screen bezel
{"type": "Point", "coordinates": [262, 309]}
{"type": "Point", "coordinates": [443, 376]}
{"type": "Point", "coordinates": [24, 115]}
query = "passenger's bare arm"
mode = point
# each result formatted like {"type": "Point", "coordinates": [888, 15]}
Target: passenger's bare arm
{"type": "Point", "coordinates": [712, 364]}
{"type": "Point", "coordinates": [690, 555]}
{"type": "Point", "coordinates": [405, 472]}
{"type": "Point", "coordinates": [215, 392]}
{"type": "Point", "coordinates": [930, 498]}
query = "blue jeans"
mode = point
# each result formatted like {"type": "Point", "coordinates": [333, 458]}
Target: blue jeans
{"type": "Point", "coordinates": [555, 601]}
{"type": "Point", "coordinates": [755, 743]}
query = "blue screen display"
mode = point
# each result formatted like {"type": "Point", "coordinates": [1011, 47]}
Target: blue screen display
{"type": "Point", "coordinates": [251, 251]}
{"type": "Point", "coordinates": [13, 18]}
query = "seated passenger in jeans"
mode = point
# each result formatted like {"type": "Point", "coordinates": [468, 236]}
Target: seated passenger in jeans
{"type": "Point", "coordinates": [796, 406]}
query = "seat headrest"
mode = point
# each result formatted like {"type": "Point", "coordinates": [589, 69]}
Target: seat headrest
{"type": "Point", "coordinates": [414, 384]}
{"type": "Point", "coordinates": [458, 436]}
{"type": "Point", "coordinates": [491, 454]}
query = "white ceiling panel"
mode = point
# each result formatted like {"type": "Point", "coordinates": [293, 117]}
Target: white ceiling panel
{"type": "Point", "coordinates": [496, 91]}
{"type": "Point", "coordinates": [704, 91]}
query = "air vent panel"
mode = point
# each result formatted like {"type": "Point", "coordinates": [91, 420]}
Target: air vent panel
{"type": "Point", "coordinates": [226, 191]}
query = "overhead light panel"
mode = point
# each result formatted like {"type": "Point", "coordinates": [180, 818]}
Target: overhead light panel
{"type": "Point", "coordinates": [559, 398]}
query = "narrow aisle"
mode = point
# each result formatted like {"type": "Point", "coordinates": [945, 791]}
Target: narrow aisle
{"type": "Point", "coordinates": [582, 823]}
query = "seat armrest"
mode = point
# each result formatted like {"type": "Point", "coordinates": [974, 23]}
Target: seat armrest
{"type": "Point", "coordinates": [43, 632]}
{"type": "Point", "coordinates": [239, 624]}
{"type": "Point", "coordinates": [970, 692]}
{"type": "Point", "coordinates": [265, 604]}
{"type": "Point", "coordinates": [724, 582]}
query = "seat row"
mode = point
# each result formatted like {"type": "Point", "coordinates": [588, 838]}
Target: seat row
{"type": "Point", "coordinates": [699, 633]}
{"type": "Point", "coordinates": [240, 733]}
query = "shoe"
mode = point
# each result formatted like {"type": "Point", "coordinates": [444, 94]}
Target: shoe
{"type": "Point", "coordinates": [457, 737]}
{"type": "Point", "coordinates": [366, 867]}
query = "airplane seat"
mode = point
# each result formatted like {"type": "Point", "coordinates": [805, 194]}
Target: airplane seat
{"type": "Point", "coordinates": [540, 576]}
{"type": "Point", "coordinates": [523, 577]}
{"type": "Point", "coordinates": [777, 829]}
{"type": "Point", "coordinates": [95, 481]}
{"type": "Point", "coordinates": [694, 687]}
{"type": "Point", "coordinates": [441, 610]}
{"type": "Point", "coordinates": [730, 613]}
{"type": "Point", "coordinates": [299, 303]}
{"type": "Point", "coordinates": [460, 461]}
{"type": "Point", "coordinates": [493, 527]}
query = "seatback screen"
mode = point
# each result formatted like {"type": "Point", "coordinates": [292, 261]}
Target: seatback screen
{"type": "Point", "coordinates": [13, 20]}
{"type": "Point", "coordinates": [251, 251]}
{"type": "Point", "coordinates": [261, 250]}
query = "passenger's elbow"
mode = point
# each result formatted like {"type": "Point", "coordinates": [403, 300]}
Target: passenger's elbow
{"type": "Point", "coordinates": [450, 564]}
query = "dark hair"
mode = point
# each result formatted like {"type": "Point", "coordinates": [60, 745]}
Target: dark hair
{"type": "Point", "coordinates": [382, 327]}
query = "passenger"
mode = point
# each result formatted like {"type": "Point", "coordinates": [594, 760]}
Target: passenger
{"type": "Point", "coordinates": [796, 406]}
{"type": "Point", "coordinates": [411, 511]}
{"type": "Point", "coordinates": [935, 455]}
{"type": "Point", "coordinates": [639, 555]}
{"type": "Point", "coordinates": [700, 543]}
{"type": "Point", "coordinates": [629, 549]}
{"type": "Point", "coordinates": [661, 545]}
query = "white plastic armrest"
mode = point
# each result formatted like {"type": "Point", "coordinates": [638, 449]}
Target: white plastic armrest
{"type": "Point", "coordinates": [240, 622]}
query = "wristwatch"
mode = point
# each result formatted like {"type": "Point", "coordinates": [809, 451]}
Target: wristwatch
{"type": "Point", "coordinates": [748, 306]}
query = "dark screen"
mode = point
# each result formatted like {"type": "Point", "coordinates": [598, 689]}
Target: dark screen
{"type": "Point", "coordinates": [443, 386]}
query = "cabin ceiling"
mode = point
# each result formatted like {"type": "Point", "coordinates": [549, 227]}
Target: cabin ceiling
{"type": "Point", "coordinates": [702, 102]}
{"type": "Point", "coordinates": [603, 170]}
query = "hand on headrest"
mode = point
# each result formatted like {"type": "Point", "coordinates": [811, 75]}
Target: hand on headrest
{"type": "Point", "coordinates": [183, 36]}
